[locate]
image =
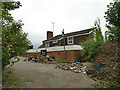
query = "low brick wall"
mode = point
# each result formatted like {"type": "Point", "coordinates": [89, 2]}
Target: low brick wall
{"type": "Point", "coordinates": [71, 55]}
{"type": "Point", "coordinates": [32, 54]}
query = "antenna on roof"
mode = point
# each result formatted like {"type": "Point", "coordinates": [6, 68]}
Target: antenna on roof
{"type": "Point", "coordinates": [53, 25]}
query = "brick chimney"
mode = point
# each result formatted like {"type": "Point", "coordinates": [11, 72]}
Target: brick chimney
{"type": "Point", "coordinates": [49, 34]}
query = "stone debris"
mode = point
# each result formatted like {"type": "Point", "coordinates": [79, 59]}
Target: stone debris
{"type": "Point", "coordinates": [77, 67]}
{"type": "Point", "coordinates": [15, 59]}
{"type": "Point", "coordinates": [40, 59]}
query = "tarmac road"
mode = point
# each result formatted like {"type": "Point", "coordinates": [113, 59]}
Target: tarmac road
{"type": "Point", "coordinates": [36, 75]}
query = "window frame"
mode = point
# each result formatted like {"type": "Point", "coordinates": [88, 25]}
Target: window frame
{"type": "Point", "coordinates": [47, 44]}
{"type": "Point", "coordinates": [68, 40]}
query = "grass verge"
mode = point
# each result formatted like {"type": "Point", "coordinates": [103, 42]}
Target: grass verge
{"type": "Point", "coordinates": [9, 78]}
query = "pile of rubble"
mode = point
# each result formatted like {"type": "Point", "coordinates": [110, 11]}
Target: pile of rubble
{"type": "Point", "coordinates": [40, 59]}
{"type": "Point", "coordinates": [14, 60]}
{"type": "Point", "coordinates": [76, 67]}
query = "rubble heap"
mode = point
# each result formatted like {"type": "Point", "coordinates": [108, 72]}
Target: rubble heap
{"type": "Point", "coordinates": [40, 59]}
{"type": "Point", "coordinates": [76, 67]}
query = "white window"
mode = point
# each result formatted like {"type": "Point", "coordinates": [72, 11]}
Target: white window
{"type": "Point", "coordinates": [47, 44]}
{"type": "Point", "coordinates": [70, 40]}
{"type": "Point", "coordinates": [55, 41]}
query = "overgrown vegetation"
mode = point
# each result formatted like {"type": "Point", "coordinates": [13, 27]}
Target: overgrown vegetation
{"type": "Point", "coordinates": [41, 46]}
{"type": "Point", "coordinates": [112, 16]}
{"type": "Point", "coordinates": [10, 79]}
{"type": "Point", "coordinates": [107, 60]}
{"type": "Point", "coordinates": [90, 46]}
{"type": "Point", "coordinates": [14, 40]}
{"type": "Point", "coordinates": [105, 55]}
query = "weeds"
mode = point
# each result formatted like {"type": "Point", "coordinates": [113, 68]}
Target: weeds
{"type": "Point", "coordinates": [10, 80]}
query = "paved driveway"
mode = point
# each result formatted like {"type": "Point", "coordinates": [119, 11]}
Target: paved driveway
{"type": "Point", "coordinates": [36, 75]}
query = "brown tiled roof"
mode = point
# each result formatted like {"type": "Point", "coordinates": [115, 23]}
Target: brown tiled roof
{"type": "Point", "coordinates": [71, 34]}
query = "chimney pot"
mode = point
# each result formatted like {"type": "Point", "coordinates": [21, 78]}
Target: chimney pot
{"type": "Point", "coordinates": [49, 35]}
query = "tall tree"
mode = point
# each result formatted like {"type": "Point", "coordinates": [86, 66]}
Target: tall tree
{"type": "Point", "coordinates": [90, 46]}
{"type": "Point", "coordinates": [97, 33]}
{"type": "Point", "coordinates": [14, 40]}
{"type": "Point", "coordinates": [41, 46]}
{"type": "Point", "coordinates": [112, 16]}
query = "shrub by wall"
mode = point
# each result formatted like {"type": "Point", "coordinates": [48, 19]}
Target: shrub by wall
{"type": "Point", "coordinates": [108, 60]}
{"type": "Point", "coordinates": [90, 49]}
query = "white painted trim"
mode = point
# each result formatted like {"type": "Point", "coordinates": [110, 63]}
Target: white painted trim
{"type": "Point", "coordinates": [57, 48]}
{"type": "Point", "coordinates": [72, 40]}
{"type": "Point", "coordinates": [80, 34]}
{"type": "Point", "coordinates": [60, 39]}
{"type": "Point", "coordinates": [90, 32]}
{"type": "Point", "coordinates": [55, 41]}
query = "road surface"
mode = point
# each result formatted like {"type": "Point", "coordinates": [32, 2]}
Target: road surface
{"type": "Point", "coordinates": [36, 75]}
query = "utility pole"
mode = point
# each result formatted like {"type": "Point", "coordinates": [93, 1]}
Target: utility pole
{"type": "Point", "coordinates": [64, 44]}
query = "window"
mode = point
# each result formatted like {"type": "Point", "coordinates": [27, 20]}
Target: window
{"type": "Point", "coordinates": [70, 40]}
{"type": "Point", "coordinates": [43, 52]}
{"type": "Point", "coordinates": [47, 44]}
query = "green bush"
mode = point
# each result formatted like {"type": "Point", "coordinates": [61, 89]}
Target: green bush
{"type": "Point", "coordinates": [90, 46]}
{"type": "Point", "coordinates": [90, 49]}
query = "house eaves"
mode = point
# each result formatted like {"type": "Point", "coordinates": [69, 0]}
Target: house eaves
{"type": "Point", "coordinates": [57, 48]}
{"type": "Point", "coordinates": [77, 33]}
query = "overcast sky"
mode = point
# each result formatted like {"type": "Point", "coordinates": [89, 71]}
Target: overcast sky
{"type": "Point", "coordinates": [70, 15]}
